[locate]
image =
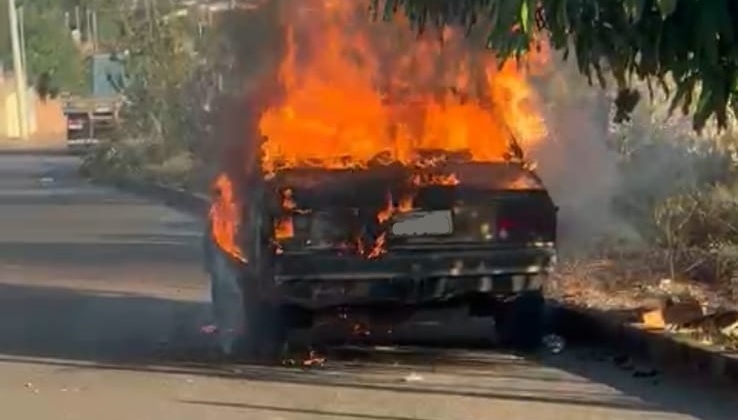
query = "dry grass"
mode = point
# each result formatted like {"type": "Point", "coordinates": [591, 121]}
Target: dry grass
{"type": "Point", "coordinates": [622, 280]}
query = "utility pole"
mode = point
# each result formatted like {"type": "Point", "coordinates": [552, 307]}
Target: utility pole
{"type": "Point", "coordinates": [88, 26]}
{"type": "Point", "coordinates": [19, 72]}
{"type": "Point", "coordinates": [94, 31]}
{"type": "Point", "coordinates": [22, 30]}
{"type": "Point", "coordinates": [78, 24]}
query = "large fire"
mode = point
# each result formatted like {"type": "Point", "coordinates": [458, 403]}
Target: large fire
{"type": "Point", "coordinates": [356, 89]}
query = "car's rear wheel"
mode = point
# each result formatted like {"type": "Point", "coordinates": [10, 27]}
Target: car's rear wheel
{"type": "Point", "coordinates": [265, 326]}
{"type": "Point", "coordinates": [519, 320]}
{"type": "Point", "coordinates": [265, 335]}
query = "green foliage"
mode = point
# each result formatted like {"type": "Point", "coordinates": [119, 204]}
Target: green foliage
{"type": "Point", "coordinates": [698, 218]}
{"type": "Point", "coordinates": [51, 52]}
{"type": "Point", "coordinates": [161, 58]}
{"type": "Point", "coordinates": [5, 48]}
{"type": "Point", "coordinates": [692, 41]}
{"type": "Point", "coordinates": [108, 13]}
{"type": "Point", "coordinates": [54, 62]}
{"type": "Point", "coordinates": [161, 116]}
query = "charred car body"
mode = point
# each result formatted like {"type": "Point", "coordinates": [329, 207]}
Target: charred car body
{"type": "Point", "coordinates": [388, 240]}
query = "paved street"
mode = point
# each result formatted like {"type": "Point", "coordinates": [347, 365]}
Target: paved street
{"type": "Point", "coordinates": [101, 299]}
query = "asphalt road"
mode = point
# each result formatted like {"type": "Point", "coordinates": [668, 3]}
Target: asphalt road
{"type": "Point", "coordinates": [101, 299]}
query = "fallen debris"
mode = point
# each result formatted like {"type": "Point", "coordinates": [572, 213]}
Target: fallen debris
{"type": "Point", "coordinates": [653, 319]}
{"type": "Point", "coordinates": [554, 343]}
{"type": "Point", "coordinates": [314, 360]}
{"type": "Point", "coordinates": [646, 373]}
{"type": "Point", "coordinates": [209, 329]}
{"type": "Point", "coordinates": [681, 309]}
{"type": "Point", "coordinates": [672, 310]}
{"type": "Point", "coordinates": [624, 362]}
{"type": "Point", "coordinates": [718, 329]}
{"type": "Point", "coordinates": [413, 377]}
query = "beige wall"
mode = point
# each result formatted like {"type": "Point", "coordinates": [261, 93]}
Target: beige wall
{"type": "Point", "coordinates": [45, 117]}
{"type": "Point", "coordinates": [50, 118]}
{"type": "Point", "coordinates": [2, 112]}
{"type": "Point", "coordinates": [11, 121]}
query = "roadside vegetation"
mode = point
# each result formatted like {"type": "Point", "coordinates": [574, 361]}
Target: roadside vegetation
{"type": "Point", "coordinates": [660, 212]}
{"type": "Point", "coordinates": [657, 211]}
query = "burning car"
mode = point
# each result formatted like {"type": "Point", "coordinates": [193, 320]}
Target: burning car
{"type": "Point", "coordinates": [388, 183]}
{"type": "Point", "coordinates": [386, 237]}
{"type": "Point", "coordinates": [390, 240]}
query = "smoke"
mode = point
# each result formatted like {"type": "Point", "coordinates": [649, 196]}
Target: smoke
{"type": "Point", "coordinates": [252, 43]}
{"type": "Point", "coordinates": [576, 163]}
{"type": "Point", "coordinates": [604, 177]}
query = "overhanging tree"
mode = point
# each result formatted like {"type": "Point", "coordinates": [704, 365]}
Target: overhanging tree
{"type": "Point", "coordinates": [692, 42]}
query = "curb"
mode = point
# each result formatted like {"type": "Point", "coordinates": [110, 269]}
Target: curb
{"type": "Point", "coordinates": [46, 151]}
{"type": "Point", "coordinates": [574, 324]}
{"type": "Point", "coordinates": [660, 348]}
{"type": "Point", "coordinates": [177, 198]}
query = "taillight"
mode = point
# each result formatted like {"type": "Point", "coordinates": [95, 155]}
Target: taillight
{"type": "Point", "coordinates": [74, 124]}
{"type": "Point", "coordinates": [504, 227]}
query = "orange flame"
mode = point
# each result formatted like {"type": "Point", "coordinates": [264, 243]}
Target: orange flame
{"type": "Point", "coordinates": [225, 216]}
{"type": "Point", "coordinates": [404, 205]}
{"type": "Point", "coordinates": [355, 89]}
{"type": "Point", "coordinates": [283, 226]}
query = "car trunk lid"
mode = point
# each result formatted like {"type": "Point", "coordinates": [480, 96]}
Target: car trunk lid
{"type": "Point", "coordinates": [372, 212]}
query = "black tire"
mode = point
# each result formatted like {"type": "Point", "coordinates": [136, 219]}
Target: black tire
{"type": "Point", "coordinates": [266, 323]}
{"type": "Point", "coordinates": [265, 337]}
{"type": "Point", "coordinates": [519, 321]}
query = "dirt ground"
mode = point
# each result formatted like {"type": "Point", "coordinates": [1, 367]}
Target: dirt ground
{"type": "Point", "coordinates": [40, 142]}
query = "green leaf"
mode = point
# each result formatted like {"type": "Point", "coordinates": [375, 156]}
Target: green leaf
{"type": "Point", "coordinates": [524, 16]}
{"type": "Point", "coordinates": [634, 9]}
{"type": "Point", "coordinates": [666, 7]}
{"type": "Point", "coordinates": [704, 110]}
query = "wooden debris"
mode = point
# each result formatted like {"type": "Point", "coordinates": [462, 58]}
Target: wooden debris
{"type": "Point", "coordinates": [673, 311]}
{"type": "Point", "coordinates": [654, 319]}
{"type": "Point", "coordinates": [682, 309]}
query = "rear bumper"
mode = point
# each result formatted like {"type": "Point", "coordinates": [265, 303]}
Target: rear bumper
{"type": "Point", "coordinates": [409, 276]}
{"type": "Point", "coordinates": [82, 141]}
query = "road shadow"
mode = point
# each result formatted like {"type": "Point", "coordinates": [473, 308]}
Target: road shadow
{"type": "Point", "coordinates": [71, 195]}
{"type": "Point", "coordinates": [172, 249]}
{"type": "Point", "coordinates": [80, 329]}
{"type": "Point", "coordinates": [692, 393]}
{"type": "Point", "coordinates": [96, 326]}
